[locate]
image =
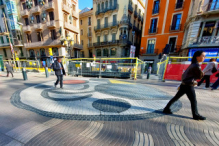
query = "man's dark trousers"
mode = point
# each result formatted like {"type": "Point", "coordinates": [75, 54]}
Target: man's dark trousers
{"type": "Point", "coordinates": [59, 79]}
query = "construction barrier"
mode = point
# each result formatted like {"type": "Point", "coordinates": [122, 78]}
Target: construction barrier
{"type": "Point", "coordinates": [106, 67]}
{"type": "Point", "coordinates": [176, 66]}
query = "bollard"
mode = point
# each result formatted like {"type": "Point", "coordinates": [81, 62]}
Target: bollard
{"type": "Point", "coordinates": [24, 73]}
{"type": "Point", "coordinates": [47, 72]}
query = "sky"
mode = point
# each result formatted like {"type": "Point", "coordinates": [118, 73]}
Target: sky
{"type": "Point", "coordinates": [87, 3]}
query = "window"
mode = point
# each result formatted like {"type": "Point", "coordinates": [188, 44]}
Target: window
{"type": "Point", "coordinates": [89, 20]}
{"type": "Point", "coordinates": [21, 52]}
{"type": "Point", "coordinates": [217, 30]}
{"type": "Point", "coordinates": [55, 52]}
{"type": "Point", "coordinates": [90, 54]}
{"type": "Point", "coordinates": [7, 39]}
{"type": "Point", "coordinates": [102, 6]}
{"type": "Point", "coordinates": [29, 39]}
{"type": "Point", "coordinates": [98, 7]}
{"type": "Point", "coordinates": [81, 22]}
{"type": "Point", "coordinates": [31, 52]}
{"type": "Point", "coordinates": [114, 20]}
{"type": "Point", "coordinates": [179, 4]}
{"type": "Point", "coordinates": [24, 6]}
{"type": "Point", "coordinates": [105, 52]}
{"type": "Point", "coordinates": [26, 21]}
{"type": "Point", "coordinates": [98, 39]}
{"type": "Point", "coordinates": [150, 47]}
{"type": "Point", "coordinates": [5, 52]}
{"type": "Point", "coordinates": [114, 37]}
{"type": "Point", "coordinates": [51, 16]}
{"type": "Point", "coordinates": [2, 39]}
{"type": "Point", "coordinates": [82, 53]}
{"type": "Point", "coordinates": [82, 42]}
{"type": "Point", "coordinates": [39, 36]}
{"type": "Point", "coordinates": [42, 52]}
{"type": "Point", "coordinates": [98, 52]}
{"type": "Point", "coordinates": [38, 18]}
{"type": "Point", "coordinates": [82, 32]}
{"type": "Point", "coordinates": [176, 22]}
{"type": "Point", "coordinates": [172, 42]}
{"type": "Point", "coordinates": [111, 3]}
{"type": "Point", "coordinates": [209, 28]}
{"type": "Point", "coordinates": [53, 34]}
{"type": "Point", "coordinates": [105, 38]}
{"type": "Point", "coordinates": [153, 27]}
{"type": "Point", "coordinates": [113, 52]}
{"type": "Point", "coordinates": [106, 22]}
{"type": "Point", "coordinates": [36, 2]}
{"type": "Point", "coordinates": [98, 23]}
{"type": "Point", "coordinates": [106, 5]}
{"type": "Point", "coordinates": [156, 6]}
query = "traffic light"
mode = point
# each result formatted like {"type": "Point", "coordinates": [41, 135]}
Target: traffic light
{"type": "Point", "coordinates": [50, 52]}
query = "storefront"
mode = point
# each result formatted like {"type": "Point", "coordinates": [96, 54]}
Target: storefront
{"type": "Point", "coordinates": [210, 52]}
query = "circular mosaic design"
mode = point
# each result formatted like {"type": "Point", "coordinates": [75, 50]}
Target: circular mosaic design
{"type": "Point", "coordinates": [94, 101]}
{"type": "Point", "coordinates": [74, 82]}
{"type": "Point", "coordinates": [111, 105]}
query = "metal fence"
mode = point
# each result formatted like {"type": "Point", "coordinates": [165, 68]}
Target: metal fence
{"type": "Point", "coordinates": [106, 67]}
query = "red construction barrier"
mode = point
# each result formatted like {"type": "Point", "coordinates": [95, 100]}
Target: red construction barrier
{"type": "Point", "coordinates": [175, 71]}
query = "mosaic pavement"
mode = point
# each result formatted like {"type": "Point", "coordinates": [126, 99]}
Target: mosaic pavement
{"type": "Point", "coordinates": [94, 100]}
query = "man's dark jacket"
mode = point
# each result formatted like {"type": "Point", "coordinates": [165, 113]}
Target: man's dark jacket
{"type": "Point", "coordinates": [57, 68]}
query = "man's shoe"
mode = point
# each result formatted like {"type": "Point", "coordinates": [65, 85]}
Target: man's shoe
{"type": "Point", "coordinates": [167, 111]}
{"type": "Point", "coordinates": [199, 117]}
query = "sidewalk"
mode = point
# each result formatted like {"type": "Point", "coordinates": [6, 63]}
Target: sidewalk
{"type": "Point", "coordinates": [91, 111]}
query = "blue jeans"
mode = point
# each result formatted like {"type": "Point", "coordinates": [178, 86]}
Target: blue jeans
{"type": "Point", "coordinates": [59, 79]}
{"type": "Point", "coordinates": [216, 84]}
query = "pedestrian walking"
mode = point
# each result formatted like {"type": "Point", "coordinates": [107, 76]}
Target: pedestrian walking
{"type": "Point", "coordinates": [149, 72]}
{"type": "Point", "coordinates": [189, 77]}
{"type": "Point", "coordinates": [59, 72]}
{"type": "Point", "coordinates": [216, 84]}
{"type": "Point", "coordinates": [9, 69]}
{"type": "Point", "coordinates": [207, 73]}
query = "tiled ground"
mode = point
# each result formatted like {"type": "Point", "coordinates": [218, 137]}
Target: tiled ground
{"type": "Point", "coordinates": [102, 112]}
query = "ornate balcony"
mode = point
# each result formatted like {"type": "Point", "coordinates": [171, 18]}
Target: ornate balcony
{"type": "Point", "coordinates": [48, 42]}
{"type": "Point", "coordinates": [106, 43]}
{"type": "Point", "coordinates": [51, 24]}
{"type": "Point", "coordinates": [50, 6]}
{"type": "Point", "coordinates": [35, 9]}
{"type": "Point", "coordinates": [126, 22]}
{"type": "Point", "coordinates": [90, 45]}
{"type": "Point", "coordinates": [66, 8]}
{"type": "Point", "coordinates": [38, 26]}
{"type": "Point", "coordinates": [106, 26]}
{"type": "Point", "coordinates": [71, 27]}
{"type": "Point", "coordinates": [105, 10]}
{"type": "Point", "coordinates": [25, 13]}
{"type": "Point", "coordinates": [151, 52]}
{"type": "Point", "coordinates": [27, 28]}
{"type": "Point", "coordinates": [204, 41]}
{"type": "Point", "coordinates": [135, 14]}
{"type": "Point", "coordinates": [78, 46]}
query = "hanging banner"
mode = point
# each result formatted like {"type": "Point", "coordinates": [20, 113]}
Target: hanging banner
{"type": "Point", "coordinates": [132, 51]}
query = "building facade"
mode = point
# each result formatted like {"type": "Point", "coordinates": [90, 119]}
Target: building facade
{"type": "Point", "coordinates": [50, 26]}
{"type": "Point", "coordinates": [202, 28]}
{"type": "Point", "coordinates": [86, 18]}
{"type": "Point", "coordinates": [163, 24]}
{"type": "Point", "coordinates": [114, 22]}
{"type": "Point", "coordinates": [9, 9]}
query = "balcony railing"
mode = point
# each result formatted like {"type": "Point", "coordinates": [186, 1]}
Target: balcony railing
{"type": "Point", "coordinates": [139, 17]}
{"type": "Point", "coordinates": [35, 9]}
{"type": "Point", "coordinates": [17, 42]}
{"type": "Point", "coordinates": [90, 45]}
{"type": "Point", "coordinates": [152, 30]}
{"type": "Point", "coordinates": [108, 43]}
{"type": "Point", "coordinates": [66, 8]}
{"type": "Point", "coordinates": [179, 5]}
{"type": "Point", "coordinates": [110, 8]}
{"type": "Point", "coordinates": [49, 6]}
{"type": "Point", "coordinates": [27, 28]}
{"type": "Point", "coordinates": [38, 26]}
{"type": "Point", "coordinates": [25, 12]}
{"type": "Point", "coordinates": [204, 41]}
{"type": "Point", "coordinates": [78, 46]}
{"type": "Point", "coordinates": [175, 27]}
{"type": "Point", "coordinates": [135, 14]}
{"type": "Point", "coordinates": [51, 23]}
{"type": "Point", "coordinates": [130, 8]}
{"type": "Point", "coordinates": [105, 26]}
{"type": "Point", "coordinates": [71, 27]}
{"type": "Point", "coordinates": [127, 22]}
{"type": "Point", "coordinates": [48, 42]}
{"type": "Point", "coordinates": [155, 11]}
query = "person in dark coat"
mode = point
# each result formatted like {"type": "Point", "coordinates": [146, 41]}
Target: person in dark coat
{"type": "Point", "coordinates": [59, 72]}
{"type": "Point", "coordinates": [189, 77]}
{"type": "Point", "coordinates": [9, 69]}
